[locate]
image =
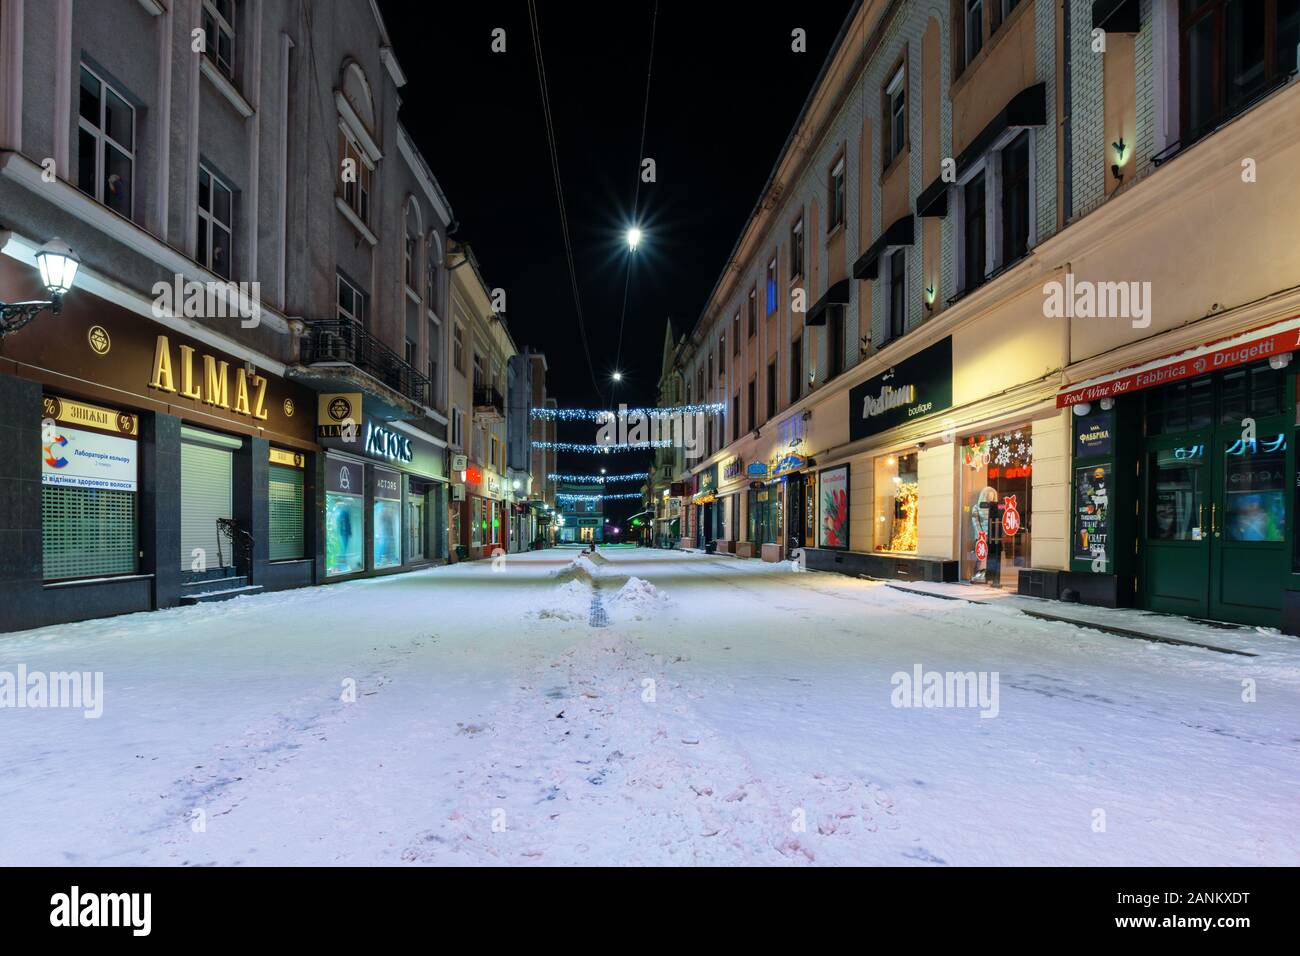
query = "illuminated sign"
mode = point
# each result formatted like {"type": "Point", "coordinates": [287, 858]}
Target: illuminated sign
{"type": "Point", "coordinates": [386, 443]}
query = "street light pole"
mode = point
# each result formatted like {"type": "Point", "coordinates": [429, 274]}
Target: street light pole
{"type": "Point", "coordinates": [58, 265]}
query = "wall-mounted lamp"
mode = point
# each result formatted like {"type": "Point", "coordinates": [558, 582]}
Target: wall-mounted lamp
{"type": "Point", "coordinates": [1083, 408]}
{"type": "Point", "coordinates": [1120, 149]}
{"type": "Point", "coordinates": [1107, 404]}
{"type": "Point", "coordinates": [58, 265]}
{"type": "Point", "coordinates": [929, 298]}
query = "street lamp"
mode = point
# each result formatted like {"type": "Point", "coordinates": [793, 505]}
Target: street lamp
{"type": "Point", "coordinates": [633, 238]}
{"type": "Point", "coordinates": [617, 376]}
{"type": "Point", "coordinates": [58, 265]}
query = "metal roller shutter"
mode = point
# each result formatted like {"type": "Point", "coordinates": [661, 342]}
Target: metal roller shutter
{"type": "Point", "coordinates": [285, 507]}
{"type": "Point", "coordinates": [206, 479]}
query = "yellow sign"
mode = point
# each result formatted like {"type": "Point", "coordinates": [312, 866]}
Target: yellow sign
{"type": "Point", "coordinates": [212, 387]}
{"type": "Point", "coordinates": [291, 458]}
{"type": "Point", "coordinates": [91, 416]}
{"type": "Point", "coordinates": [334, 410]}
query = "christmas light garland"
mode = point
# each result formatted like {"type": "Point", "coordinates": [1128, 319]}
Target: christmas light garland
{"type": "Point", "coordinates": [605, 415]}
{"type": "Point", "coordinates": [589, 448]}
{"type": "Point", "coordinates": [567, 497]}
{"type": "Point", "coordinates": [595, 479]}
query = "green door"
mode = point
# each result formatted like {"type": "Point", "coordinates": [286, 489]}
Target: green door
{"type": "Point", "coordinates": [1176, 559]}
{"type": "Point", "coordinates": [1248, 524]}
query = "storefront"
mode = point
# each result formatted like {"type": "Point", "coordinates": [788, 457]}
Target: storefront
{"type": "Point", "coordinates": [484, 514]}
{"type": "Point", "coordinates": [996, 505]}
{"type": "Point", "coordinates": [156, 482]}
{"type": "Point", "coordinates": [1194, 456]}
{"type": "Point", "coordinates": [707, 511]}
{"type": "Point", "coordinates": [385, 490]}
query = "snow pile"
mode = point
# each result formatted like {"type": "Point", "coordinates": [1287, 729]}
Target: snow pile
{"type": "Point", "coordinates": [581, 568]}
{"type": "Point", "coordinates": [571, 601]}
{"type": "Point", "coordinates": [638, 599]}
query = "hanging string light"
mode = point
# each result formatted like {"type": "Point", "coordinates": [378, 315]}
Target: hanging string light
{"type": "Point", "coordinates": [594, 479]}
{"type": "Point", "coordinates": [588, 448]}
{"type": "Point", "coordinates": [605, 415]}
{"type": "Point", "coordinates": [565, 497]}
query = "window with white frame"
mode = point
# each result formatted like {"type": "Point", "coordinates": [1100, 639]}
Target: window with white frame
{"type": "Point", "coordinates": [219, 35]}
{"type": "Point", "coordinates": [105, 143]}
{"type": "Point", "coordinates": [216, 202]}
{"type": "Point", "coordinates": [435, 352]}
{"type": "Point", "coordinates": [457, 428]}
{"type": "Point", "coordinates": [458, 348]}
{"type": "Point", "coordinates": [896, 114]}
{"type": "Point", "coordinates": [354, 176]}
{"type": "Point", "coordinates": [351, 300]}
{"type": "Point", "coordinates": [973, 28]}
{"type": "Point", "coordinates": [431, 277]}
{"type": "Point", "coordinates": [796, 248]}
{"type": "Point", "coordinates": [835, 191]}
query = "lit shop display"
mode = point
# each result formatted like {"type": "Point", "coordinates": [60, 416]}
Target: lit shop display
{"type": "Point", "coordinates": [387, 518]}
{"type": "Point", "coordinates": [895, 495]}
{"type": "Point", "coordinates": [345, 521]}
{"type": "Point", "coordinates": [996, 482]}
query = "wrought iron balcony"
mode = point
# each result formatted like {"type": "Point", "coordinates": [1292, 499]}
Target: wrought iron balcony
{"type": "Point", "coordinates": [346, 341]}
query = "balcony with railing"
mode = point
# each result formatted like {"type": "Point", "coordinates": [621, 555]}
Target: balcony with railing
{"type": "Point", "coordinates": [488, 403]}
{"type": "Point", "coordinates": [334, 342]}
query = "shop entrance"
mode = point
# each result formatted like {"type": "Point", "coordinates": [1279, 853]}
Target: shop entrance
{"type": "Point", "coordinates": [1215, 506]}
{"type": "Point", "coordinates": [415, 526]}
{"type": "Point", "coordinates": [207, 491]}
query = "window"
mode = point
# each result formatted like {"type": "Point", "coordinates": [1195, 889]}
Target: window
{"type": "Point", "coordinates": [894, 517]}
{"type": "Point", "coordinates": [973, 29]}
{"type": "Point", "coordinates": [285, 509]}
{"type": "Point", "coordinates": [735, 417]}
{"type": "Point", "coordinates": [214, 232]}
{"type": "Point", "coordinates": [834, 341]}
{"type": "Point", "coordinates": [973, 233]}
{"type": "Point", "coordinates": [771, 286]}
{"type": "Point", "coordinates": [710, 366]}
{"type": "Point", "coordinates": [1230, 52]}
{"type": "Point", "coordinates": [219, 35]}
{"type": "Point", "coordinates": [735, 334]}
{"type": "Point", "coordinates": [458, 348]}
{"type": "Point", "coordinates": [1015, 199]}
{"type": "Point", "coordinates": [478, 370]}
{"type": "Point", "coordinates": [796, 249]}
{"type": "Point", "coordinates": [722, 356]}
{"type": "Point", "coordinates": [105, 144]}
{"type": "Point", "coordinates": [457, 428]}
{"type": "Point", "coordinates": [895, 109]}
{"type": "Point", "coordinates": [352, 301]}
{"type": "Point", "coordinates": [897, 292]}
{"type": "Point", "coordinates": [431, 280]}
{"type": "Point", "coordinates": [411, 256]}
{"type": "Point", "coordinates": [796, 369]}
{"type": "Point", "coordinates": [752, 317]}
{"type": "Point", "coordinates": [750, 396]}
{"type": "Point", "coordinates": [835, 207]}
{"type": "Point", "coordinates": [435, 352]}
{"type": "Point", "coordinates": [354, 176]}
{"type": "Point", "coordinates": [411, 353]}
{"type": "Point", "coordinates": [771, 389]}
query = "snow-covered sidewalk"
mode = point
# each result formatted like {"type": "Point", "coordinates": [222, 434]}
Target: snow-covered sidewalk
{"type": "Point", "coordinates": [728, 712]}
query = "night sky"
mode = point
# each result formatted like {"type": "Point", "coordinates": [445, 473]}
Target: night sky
{"type": "Point", "coordinates": [725, 89]}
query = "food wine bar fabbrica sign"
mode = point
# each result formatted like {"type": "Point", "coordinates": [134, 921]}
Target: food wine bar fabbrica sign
{"type": "Point", "coordinates": [918, 386]}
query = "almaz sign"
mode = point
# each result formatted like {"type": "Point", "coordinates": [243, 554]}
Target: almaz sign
{"type": "Point", "coordinates": [385, 443]}
{"type": "Point", "coordinates": [918, 386]}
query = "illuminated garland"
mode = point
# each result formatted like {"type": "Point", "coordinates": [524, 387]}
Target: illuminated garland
{"type": "Point", "coordinates": [594, 479]}
{"type": "Point", "coordinates": [564, 497]}
{"type": "Point", "coordinates": [604, 415]}
{"type": "Point", "coordinates": [587, 448]}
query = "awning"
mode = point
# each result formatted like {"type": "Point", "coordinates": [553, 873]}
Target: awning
{"type": "Point", "coordinates": [838, 294]}
{"type": "Point", "coordinates": [1026, 108]}
{"type": "Point", "coordinates": [1116, 16]}
{"type": "Point", "coordinates": [1241, 349]}
{"type": "Point", "coordinates": [901, 233]}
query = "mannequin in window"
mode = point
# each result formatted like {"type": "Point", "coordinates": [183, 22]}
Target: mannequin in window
{"type": "Point", "coordinates": [979, 522]}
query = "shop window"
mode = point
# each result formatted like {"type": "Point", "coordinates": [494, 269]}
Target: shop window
{"type": "Point", "coordinates": [1254, 499]}
{"type": "Point", "coordinates": [344, 517]}
{"type": "Point", "coordinates": [387, 517]}
{"type": "Point", "coordinates": [996, 486]}
{"type": "Point", "coordinates": [214, 228]}
{"type": "Point", "coordinates": [1178, 484]}
{"type": "Point", "coordinates": [765, 514]}
{"type": "Point", "coordinates": [1181, 407]}
{"type": "Point", "coordinates": [285, 507]}
{"type": "Point", "coordinates": [896, 494]}
{"type": "Point", "coordinates": [1250, 393]}
{"type": "Point", "coordinates": [105, 144]}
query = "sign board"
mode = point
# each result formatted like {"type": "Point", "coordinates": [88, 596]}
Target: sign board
{"type": "Point", "coordinates": [293, 459]}
{"type": "Point", "coordinates": [918, 386]}
{"type": "Point", "coordinates": [756, 469]}
{"type": "Point", "coordinates": [344, 477]}
{"type": "Point", "coordinates": [388, 485]}
{"type": "Point", "coordinates": [85, 415]}
{"type": "Point", "coordinates": [1093, 434]}
{"type": "Point", "coordinates": [708, 480]}
{"type": "Point", "coordinates": [77, 458]}
{"type": "Point", "coordinates": [334, 410]}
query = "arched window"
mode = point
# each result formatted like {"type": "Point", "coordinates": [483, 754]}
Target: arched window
{"type": "Point", "coordinates": [358, 150]}
{"type": "Point", "coordinates": [411, 246]}
{"type": "Point", "coordinates": [432, 272]}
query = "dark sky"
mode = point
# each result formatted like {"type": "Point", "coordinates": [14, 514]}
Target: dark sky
{"type": "Point", "coordinates": [725, 89]}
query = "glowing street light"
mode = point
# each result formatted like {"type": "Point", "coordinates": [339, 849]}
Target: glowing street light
{"type": "Point", "coordinates": [633, 237]}
{"type": "Point", "coordinates": [617, 376]}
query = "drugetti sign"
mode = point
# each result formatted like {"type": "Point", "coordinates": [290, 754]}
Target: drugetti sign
{"type": "Point", "coordinates": [916, 387]}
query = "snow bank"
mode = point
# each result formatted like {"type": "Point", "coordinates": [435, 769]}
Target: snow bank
{"type": "Point", "coordinates": [571, 601]}
{"type": "Point", "coordinates": [581, 568]}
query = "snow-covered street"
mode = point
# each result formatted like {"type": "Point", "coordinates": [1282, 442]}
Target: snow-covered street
{"type": "Point", "coordinates": [730, 712]}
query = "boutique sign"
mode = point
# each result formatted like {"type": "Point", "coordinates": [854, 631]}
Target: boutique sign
{"type": "Point", "coordinates": [916, 387]}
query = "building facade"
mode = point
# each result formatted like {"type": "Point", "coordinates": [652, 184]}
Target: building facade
{"type": "Point", "coordinates": [1017, 306]}
{"type": "Point", "coordinates": [247, 387]}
